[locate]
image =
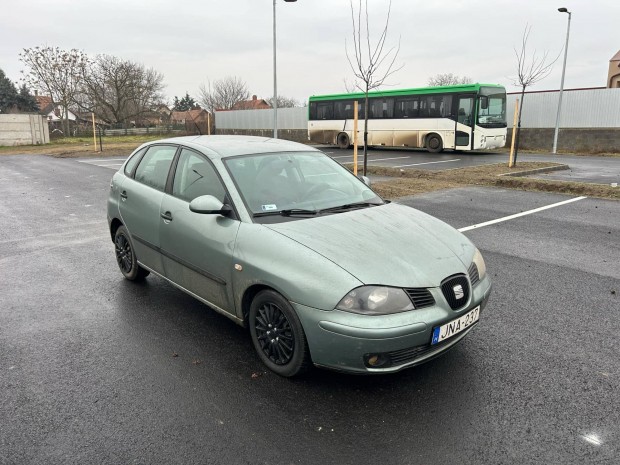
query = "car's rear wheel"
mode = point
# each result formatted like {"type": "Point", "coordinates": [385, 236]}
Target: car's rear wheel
{"type": "Point", "coordinates": [277, 334]}
{"type": "Point", "coordinates": [126, 257]}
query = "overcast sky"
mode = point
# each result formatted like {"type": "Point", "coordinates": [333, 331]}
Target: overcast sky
{"type": "Point", "coordinates": [193, 41]}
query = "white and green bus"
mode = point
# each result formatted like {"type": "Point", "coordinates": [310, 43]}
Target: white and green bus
{"type": "Point", "coordinates": [462, 117]}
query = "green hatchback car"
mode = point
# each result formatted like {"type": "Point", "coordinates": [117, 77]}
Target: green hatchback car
{"type": "Point", "coordinates": [284, 240]}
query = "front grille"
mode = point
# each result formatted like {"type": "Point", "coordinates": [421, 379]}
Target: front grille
{"type": "Point", "coordinates": [456, 291]}
{"type": "Point", "coordinates": [474, 277]}
{"type": "Point", "coordinates": [420, 296]}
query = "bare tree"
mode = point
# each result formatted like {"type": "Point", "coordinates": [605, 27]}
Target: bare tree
{"type": "Point", "coordinates": [448, 79]}
{"type": "Point", "coordinates": [119, 91]}
{"type": "Point", "coordinates": [224, 93]}
{"type": "Point", "coordinates": [371, 63]}
{"type": "Point", "coordinates": [55, 72]}
{"type": "Point", "coordinates": [530, 70]}
{"type": "Point", "coordinates": [284, 102]}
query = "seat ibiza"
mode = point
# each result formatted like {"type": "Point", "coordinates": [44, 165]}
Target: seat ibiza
{"type": "Point", "coordinates": [286, 241]}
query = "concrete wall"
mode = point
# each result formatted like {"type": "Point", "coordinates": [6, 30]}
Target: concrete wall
{"type": "Point", "coordinates": [572, 140]}
{"type": "Point", "coordinates": [21, 129]}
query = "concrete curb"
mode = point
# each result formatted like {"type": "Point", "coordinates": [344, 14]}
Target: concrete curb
{"type": "Point", "coordinates": [537, 171]}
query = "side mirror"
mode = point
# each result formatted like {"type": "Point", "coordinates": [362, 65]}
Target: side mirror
{"type": "Point", "coordinates": [484, 102]}
{"type": "Point", "coordinates": [209, 205]}
{"type": "Point", "coordinates": [365, 180]}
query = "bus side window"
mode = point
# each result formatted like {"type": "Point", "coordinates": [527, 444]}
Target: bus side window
{"type": "Point", "coordinates": [312, 110]}
{"type": "Point", "coordinates": [325, 111]}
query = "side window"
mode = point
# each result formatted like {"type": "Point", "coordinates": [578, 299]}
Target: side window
{"type": "Point", "coordinates": [312, 111]}
{"type": "Point", "coordinates": [131, 164]}
{"type": "Point", "coordinates": [325, 111]}
{"type": "Point", "coordinates": [381, 108]}
{"type": "Point", "coordinates": [195, 176]}
{"type": "Point", "coordinates": [407, 108]}
{"type": "Point", "coordinates": [154, 166]}
{"type": "Point", "coordinates": [343, 109]}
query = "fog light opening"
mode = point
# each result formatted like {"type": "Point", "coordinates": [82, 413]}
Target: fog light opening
{"type": "Point", "coordinates": [376, 360]}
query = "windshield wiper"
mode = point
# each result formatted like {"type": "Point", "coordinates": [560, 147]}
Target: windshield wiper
{"type": "Point", "coordinates": [349, 206]}
{"type": "Point", "coordinates": [287, 212]}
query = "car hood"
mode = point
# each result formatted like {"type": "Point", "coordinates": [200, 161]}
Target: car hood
{"type": "Point", "coordinates": [390, 244]}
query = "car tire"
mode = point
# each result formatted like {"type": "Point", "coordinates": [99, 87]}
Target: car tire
{"type": "Point", "coordinates": [434, 143]}
{"type": "Point", "coordinates": [126, 257]}
{"type": "Point", "coordinates": [277, 334]}
{"type": "Point", "coordinates": [343, 140]}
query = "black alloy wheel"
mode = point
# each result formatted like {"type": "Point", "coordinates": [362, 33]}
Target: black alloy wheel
{"type": "Point", "coordinates": [125, 256]}
{"type": "Point", "coordinates": [277, 334]}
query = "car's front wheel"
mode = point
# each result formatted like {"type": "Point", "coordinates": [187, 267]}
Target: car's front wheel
{"type": "Point", "coordinates": [126, 257]}
{"type": "Point", "coordinates": [277, 334]}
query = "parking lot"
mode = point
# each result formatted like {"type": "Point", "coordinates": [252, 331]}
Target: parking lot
{"type": "Point", "coordinates": [96, 369]}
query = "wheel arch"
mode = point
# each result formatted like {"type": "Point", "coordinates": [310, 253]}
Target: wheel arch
{"type": "Point", "coordinates": [114, 225]}
{"type": "Point", "coordinates": [248, 297]}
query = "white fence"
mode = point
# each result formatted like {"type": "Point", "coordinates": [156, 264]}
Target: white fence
{"type": "Point", "coordinates": [584, 108]}
{"type": "Point", "coordinates": [288, 118]}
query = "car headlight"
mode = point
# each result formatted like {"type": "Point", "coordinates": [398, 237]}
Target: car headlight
{"type": "Point", "coordinates": [479, 261]}
{"type": "Point", "coordinates": [376, 300]}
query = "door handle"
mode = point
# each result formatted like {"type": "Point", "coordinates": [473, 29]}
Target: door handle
{"type": "Point", "coordinates": [166, 216]}
{"type": "Point", "coordinates": [124, 195]}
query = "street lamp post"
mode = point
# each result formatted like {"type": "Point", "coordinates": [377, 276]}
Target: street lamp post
{"type": "Point", "coordinates": [275, 78]}
{"type": "Point", "coordinates": [557, 119]}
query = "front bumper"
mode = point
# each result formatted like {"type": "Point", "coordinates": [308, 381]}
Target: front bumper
{"type": "Point", "coordinates": [340, 340]}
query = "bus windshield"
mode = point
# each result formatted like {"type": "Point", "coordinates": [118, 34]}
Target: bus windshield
{"type": "Point", "coordinates": [491, 108]}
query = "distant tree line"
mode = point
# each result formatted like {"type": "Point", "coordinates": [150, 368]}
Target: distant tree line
{"type": "Point", "coordinates": [13, 99]}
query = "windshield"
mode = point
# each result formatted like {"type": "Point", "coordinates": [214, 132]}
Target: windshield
{"type": "Point", "coordinates": [492, 107]}
{"type": "Point", "coordinates": [295, 184]}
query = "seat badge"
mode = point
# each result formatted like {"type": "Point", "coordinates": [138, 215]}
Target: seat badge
{"type": "Point", "coordinates": [458, 292]}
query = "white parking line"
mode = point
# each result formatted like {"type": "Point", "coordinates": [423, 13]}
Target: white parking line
{"type": "Point", "coordinates": [383, 159]}
{"type": "Point", "coordinates": [517, 215]}
{"type": "Point", "coordinates": [428, 163]}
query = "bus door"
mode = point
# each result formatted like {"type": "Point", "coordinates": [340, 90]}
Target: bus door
{"type": "Point", "coordinates": [463, 127]}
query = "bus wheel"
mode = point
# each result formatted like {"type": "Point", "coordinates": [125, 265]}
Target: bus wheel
{"type": "Point", "coordinates": [433, 143]}
{"type": "Point", "coordinates": [343, 140]}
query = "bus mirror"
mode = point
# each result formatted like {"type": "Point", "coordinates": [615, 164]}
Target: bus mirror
{"type": "Point", "coordinates": [484, 102]}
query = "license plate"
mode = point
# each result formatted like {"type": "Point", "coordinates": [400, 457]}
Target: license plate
{"type": "Point", "coordinates": [441, 333]}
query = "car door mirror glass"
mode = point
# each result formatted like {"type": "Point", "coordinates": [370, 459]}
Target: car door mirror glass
{"type": "Point", "coordinates": [209, 205]}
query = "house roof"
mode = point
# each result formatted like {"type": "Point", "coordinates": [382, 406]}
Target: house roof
{"type": "Point", "coordinates": [254, 104]}
{"type": "Point", "coordinates": [616, 57]}
{"type": "Point", "coordinates": [45, 103]}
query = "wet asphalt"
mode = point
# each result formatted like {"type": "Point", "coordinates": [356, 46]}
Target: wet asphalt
{"type": "Point", "coordinates": [95, 369]}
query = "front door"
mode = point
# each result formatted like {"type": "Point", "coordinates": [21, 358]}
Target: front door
{"type": "Point", "coordinates": [464, 121]}
{"type": "Point", "coordinates": [197, 248]}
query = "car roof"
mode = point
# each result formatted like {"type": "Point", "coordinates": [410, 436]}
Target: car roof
{"type": "Point", "coordinates": [230, 146]}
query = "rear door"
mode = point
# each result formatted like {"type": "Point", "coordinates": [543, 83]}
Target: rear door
{"type": "Point", "coordinates": [140, 201]}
